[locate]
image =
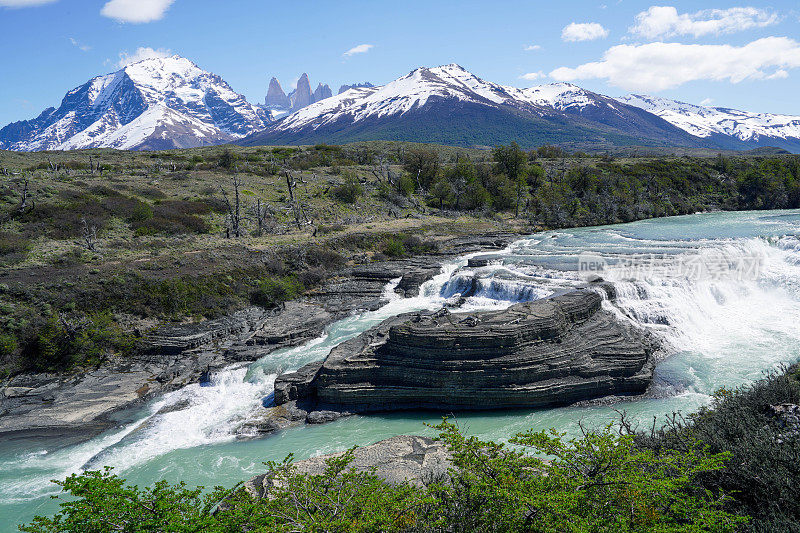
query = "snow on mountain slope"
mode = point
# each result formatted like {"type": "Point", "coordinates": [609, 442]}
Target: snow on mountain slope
{"type": "Point", "coordinates": [708, 121]}
{"type": "Point", "coordinates": [155, 103]}
{"type": "Point", "coordinates": [408, 92]}
{"type": "Point", "coordinates": [560, 96]}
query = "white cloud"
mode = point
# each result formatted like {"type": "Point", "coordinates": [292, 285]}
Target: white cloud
{"type": "Point", "coordinates": [587, 31]}
{"type": "Point", "coordinates": [665, 21]}
{"type": "Point", "coordinates": [136, 11]}
{"type": "Point", "coordinates": [530, 76]}
{"type": "Point", "coordinates": [707, 101]}
{"type": "Point", "coordinates": [360, 49]}
{"type": "Point", "coordinates": [141, 53]}
{"type": "Point", "coordinates": [779, 74]}
{"type": "Point", "coordinates": [532, 48]}
{"type": "Point", "coordinates": [25, 3]}
{"type": "Point", "coordinates": [659, 66]}
{"type": "Point", "coordinates": [79, 46]}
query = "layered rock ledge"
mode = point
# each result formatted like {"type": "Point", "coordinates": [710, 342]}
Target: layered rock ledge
{"type": "Point", "coordinates": [555, 351]}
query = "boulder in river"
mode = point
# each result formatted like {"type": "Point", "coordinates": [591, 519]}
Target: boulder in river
{"type": "Point", "coordinates": [402, 459]}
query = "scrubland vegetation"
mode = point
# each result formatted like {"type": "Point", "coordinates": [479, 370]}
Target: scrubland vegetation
{"type": "Point", "coordinates": [99, 246]}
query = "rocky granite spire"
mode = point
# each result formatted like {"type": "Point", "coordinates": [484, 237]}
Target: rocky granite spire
{"type": "Point", "coordinates": [322, 92]}
{"type": "Point", "coordinates": [276, 98]}
{"type": "Point", "coordinates": [302, 96]}
{"type": "Point", "coordinates": [365, 84]}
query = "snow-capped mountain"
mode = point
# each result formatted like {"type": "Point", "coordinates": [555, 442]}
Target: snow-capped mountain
{"type": "Point", "coordinates": [721, 124]}
{"type": "Point", "coordinates": [169, 102]}
{"type": "Point", "coordinates": [451, 105]}
{"type": "Point", "coordinates": [157, 103]}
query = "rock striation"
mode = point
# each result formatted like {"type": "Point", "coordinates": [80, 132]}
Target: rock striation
{"type": "Point", "coordinates": [548, 352]}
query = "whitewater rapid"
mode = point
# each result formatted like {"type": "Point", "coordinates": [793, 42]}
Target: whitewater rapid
{"type": "Point", "coordinates": [721, 331]}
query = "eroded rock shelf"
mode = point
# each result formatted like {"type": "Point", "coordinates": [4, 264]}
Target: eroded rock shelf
{"type": "Point", "coordinates": [548, 352]}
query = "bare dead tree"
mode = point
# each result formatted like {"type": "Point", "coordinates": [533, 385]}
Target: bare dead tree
{"type": "Point", "coordinates": [261, 213]}
{"type": "Point", "coordinates": [89, 236]}
{"type": "Point", "coordinates": [94, 166]}
{"type": "Point", "coordinates": [382, 170]}
{"type": "Point", "coordinates": [53, 168]}
{"type": "Point", "coordinates": [25, 204]}
{"type": "Point", "coordinates": [419, 182]}
{"type": "Point", "coordinates": [234, 208]}
{"type": "Point", "coordinates": [295, 207]}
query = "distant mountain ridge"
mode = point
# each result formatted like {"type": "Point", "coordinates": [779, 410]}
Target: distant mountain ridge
{"type": "Point", "coordinates": [163, 103]}
{"type": "Point", "coordinates": [449, 104]}
{"type": "Point", "coordinates": [157, 103]}
{"type": "Point", "coordinates": [362, 85]}
{"type": "Point", "coordinates": [727, 127]}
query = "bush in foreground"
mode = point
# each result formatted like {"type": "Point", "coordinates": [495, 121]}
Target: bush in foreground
{"type": "Point", "coordinates": [598, 482]}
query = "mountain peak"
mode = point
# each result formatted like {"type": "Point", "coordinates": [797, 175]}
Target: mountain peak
{"type": "Point", "coordinates": [155, 103]}
{"type": "Point", "coordinates": [162, 62]}
{"type": "Point", "coordinates": [452, 66]}
{"type": "Point", "coordinates": [276, 98]}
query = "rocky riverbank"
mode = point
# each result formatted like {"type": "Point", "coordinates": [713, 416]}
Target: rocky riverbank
{"type": "Point", "coordinates": [84, 403]}
{"type": "Point", "coordinates": [555, 351]}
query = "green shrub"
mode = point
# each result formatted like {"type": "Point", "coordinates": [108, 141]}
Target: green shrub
{"type": "Point", "coordinates": [441, 194]}
{"type": "Point", "coordinates": [80, 340]}
{"type": "Point", "coordinates": [348, 192]}
{"type": "Point", "coordinates": [406, 185]}
{"type": "Point", "coordinates": [394, 247]}
{"type": "Point", "coordinates": [8, 345]}
{"type": "Point", "coordinates": [274, 291]}
{"type": "Point", "coordinates": [227, 160]}
{"type": "Point", "coordinates": [141, 213]}
{"type": "Point", "coordinates": [597, 483]}
{"type": "Point", "coordinates": [764, 469]}
{"type": "Point", "coordinates": [170, 217]}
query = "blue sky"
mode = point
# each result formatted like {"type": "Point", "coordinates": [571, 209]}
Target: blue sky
{"type": "Point", "coordinates": [743, 56]}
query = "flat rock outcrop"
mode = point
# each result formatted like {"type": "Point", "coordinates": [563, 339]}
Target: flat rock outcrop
{"type": "Point", "coordinates": [548, 352]}
{"type": "Point", "coordinates": [403, 459]}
